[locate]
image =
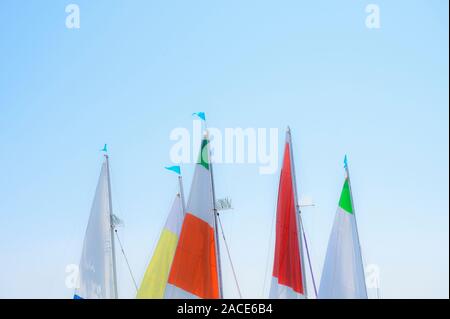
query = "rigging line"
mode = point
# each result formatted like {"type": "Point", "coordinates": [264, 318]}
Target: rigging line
{"type": "Point", "coordinates": [229, 257]}
{"type": "Point", "coordinates": [378, 288]}
{"type": "Point", "coordinates": [126, 260]}
{"type": "Point", "coordinates": [268, 254]}
{"type": "Point", "coordinates": [307, 254]}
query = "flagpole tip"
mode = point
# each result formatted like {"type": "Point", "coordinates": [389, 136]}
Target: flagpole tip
{"type": "Point", "coordinates": [104, 150]}
{"type": "Point", "coordinates": [345, 161]}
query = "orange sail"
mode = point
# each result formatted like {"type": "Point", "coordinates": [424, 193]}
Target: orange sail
{"type": "Point", "coordinates": [194, 271]}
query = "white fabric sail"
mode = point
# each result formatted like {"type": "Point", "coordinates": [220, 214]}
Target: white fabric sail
{"type": "Point", "coordinates": [96, 269]}
{"type": "Point", "coordinates": [343, 270]}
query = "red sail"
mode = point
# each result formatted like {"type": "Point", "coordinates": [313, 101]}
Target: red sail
{"type": "Point", "coordinates": [287, 270]}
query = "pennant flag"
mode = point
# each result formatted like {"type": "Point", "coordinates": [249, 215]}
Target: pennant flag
{"type": "Point", "coordinates": [287, 276]}
{"type": "Point", "coordinates": [154, 282]}
{"type": "Point", "coordinates": [194, 272]}
{"type": "Point", "coordinates": [201, 115]}
{"type": "Point", "coordinates": [105, 148]}
{"type": "Point", "coordinates": [343, 270]}
{"type": "Point", "coordinates": [96, 269]}
{"type": "Point", "coordinates": [175, 169]}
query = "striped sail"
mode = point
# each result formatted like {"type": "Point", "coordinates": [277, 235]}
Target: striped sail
{"type": "Point", "coordinates": [154, 283]}
{"type": "Point", "coordinates": [96, 269]}
{"type": "Point", "coordinates": [288, 273]}
{"type": "Point", "coordinates": [343, 271]}
{"type": "Point", "coordinates": [194, 272]}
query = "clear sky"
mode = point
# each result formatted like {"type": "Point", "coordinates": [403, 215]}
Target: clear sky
{"type": "Point", "coordinates": [135, 70]}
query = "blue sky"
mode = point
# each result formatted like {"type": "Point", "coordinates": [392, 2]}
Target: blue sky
{"type": "Point", "coordinates": [135, 70]}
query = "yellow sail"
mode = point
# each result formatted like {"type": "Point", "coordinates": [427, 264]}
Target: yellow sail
{"type": "Point", "coordinates": [154, 283]}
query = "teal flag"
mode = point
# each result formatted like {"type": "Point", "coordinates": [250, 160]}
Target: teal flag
{"type": "Point", "coordinates": [175, 169]}
{"type": "Point", "coordinates": [200, 115]}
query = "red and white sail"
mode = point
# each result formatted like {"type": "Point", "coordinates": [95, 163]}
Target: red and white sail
{"type": "Point", "coordinates": [288, 277]}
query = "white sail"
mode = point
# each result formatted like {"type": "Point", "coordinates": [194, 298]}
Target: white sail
{"type": "Point", "coordinates": [343, 271]}
{"type": "Point", "coordinates": [96, 269]}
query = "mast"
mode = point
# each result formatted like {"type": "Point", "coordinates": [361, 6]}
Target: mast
{"type": "Point", "coordinates": [347, 172]}
{"type": "Point", "coordinates": [297, 209]}
{"type": "Point", "coordinates": [111, 222]}
{"type": "Point", "coordinates": [181, 191]}
{"type": "Point", "coordinates": [216, 213]}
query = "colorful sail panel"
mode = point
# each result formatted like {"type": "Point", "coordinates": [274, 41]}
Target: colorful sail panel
{"type": "Point", "coordinates": [154, 283]}
{"type": "Point", "coordinates": [194, 272]}
{"type": "Point", "coordinates": [287, 277]}
{"type": "Point", "coordinates": [96, 274]}
{"type": "Point", "coordinates": [343, 270]}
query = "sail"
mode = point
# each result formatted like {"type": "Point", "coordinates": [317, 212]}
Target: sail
{"type": "Point", "coordinates": [96, 269]}
{"type": "Point", "coordinates": [343, 271]}
{"type": "Point", "coordinates": [194, 272]}
{"type": "Point", "coordinates": [155, 278]}
{"type": "Point", "coordinates": [287, 277]}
